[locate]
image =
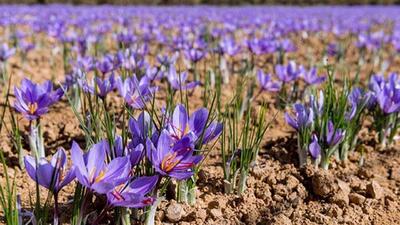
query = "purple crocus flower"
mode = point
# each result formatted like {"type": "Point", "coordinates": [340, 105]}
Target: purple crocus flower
{"type": "Point", "coordinates": [266, 82]}
{"type": "Point", "coordinates": [285, 45]}
{"type": "Point", "coordinates": [153, 73]}
{"type": "Point", "coordinates": [171, 158]}
{"type": "Point", "coordinates": [194, 126]}
{"type": "Point", "coordinates": [314, 147]}
{"type": "Point", "coordinates": [255, 46]}
{"type": "Point", "coordinates": [287, 73]}
{"type": "Point", "coordinates": [134, 194]}
{"type": "Point", "coordinates": [167, 60]}
{"type": "Point", "coordinates": [126, 39]}
{"type": "Point", "coordinates": [135, 93]}
{"type": "Point", "coordinates": [317, 104]}
{"type": "Point", "coordinates": [103, 87]}
{"type": "Point", "coordinates": [106, 64]}
{"type": "Point", "coordinates": [376, 83]}
{"type": "Point", "coordinates": [303, 117]}
{"type": "Point", "coordinates": [141, 128]}
{"type": "Point", "coordinates": [194, 54]}
{"type": "Point", "coordinates": [86, 63]}
{"type": "Point", "coordinates": [6, 52]}
{"type": "Point", "coordinates": [334, 136]}
{"type": "Point", "coordinates": [311, 77]}
{"type": "Point", "coordinates": [52, 175]}
{"type": "Point", "coordinates": [228, 46]}
{"type": "Point", "coordinates": [33, 100]}
{"type": "Point", "coordinates": [135, 152]}
{"type": "Point", "coordinates": [389, 100]}
{"type": "Point", "coordinates": [132, 60]}
{"type": "Point", "coordinates": [387, 93]}
{"type": "Point", "coordinates": [92, 171]}
{"type": "Point", "coordinates": [332, 49]}
{"type": "Point", "coordinates": [357, 99]}
{"type": "Point", "coordinates": [26, 47]}
{"type": "Point", "coordinates": [178, 81]}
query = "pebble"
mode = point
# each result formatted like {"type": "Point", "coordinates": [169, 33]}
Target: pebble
{"type": "Point", "coordinates": [323, 183]}
{"type": "Point", "coordinates": [281, 190]}
{"type": "Point", "coordinates": [271, 180]}
{"type": "Point", "coordinates": [281, 219]}
{"type": "Point", "coordinates": [292, 182]}
{"type": "Point", "coordinates": [201, 214]}
{"type": "Point", "coordinates": [216, 213]}
{"type": "Point", "coordinates": [335, 211]}
{"type": "Point", "coordinates": [395, 173]}
{"type": "Point", "coordinates": [341, 196]}
{"type": "Point", "coordinates": [258, 172]}
{"type": "Point", "coordinates": [356, 198]}
{"type": "Point", "coordinates": [174, 212]}
{"type": "Point", "coordinates": [375, 190]}
{"type": "Point", "coordinates": [302, 192]}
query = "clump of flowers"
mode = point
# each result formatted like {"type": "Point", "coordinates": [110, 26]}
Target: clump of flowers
{"type": "Point", "coordinates": [329, 124]}
{"type": "Point", "coordinates": [385, 106]}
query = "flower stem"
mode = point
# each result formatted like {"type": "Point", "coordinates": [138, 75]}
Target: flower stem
{"type": "Point", "coordinates": [56, 212]}
{"type": "Point", "coordinates": [325, 163]}
{"type": "Point", "coordinates": [125, 215]}
{"type": "Point", "coordinates": [227, 187]}
{"type": "Point", "coordinates": [242, 181]}
{"type": "Point", "coordinates": [192, 195]}
{"type": "Point", "coordinates": [302, 154]}
{"type": "Point", "coordinates": [183, 191]}
{"type": "Point", "coordinates": [150, 215]}
{"type": "Point", "coordinates": [101, 216]}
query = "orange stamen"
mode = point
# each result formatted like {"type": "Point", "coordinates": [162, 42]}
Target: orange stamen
{"type": "Point", "coordinates": [100, 177]}
{"type": "Point", "coordinates": [32, 107]}
{"type": "Point", "coordinates": [169, 162]}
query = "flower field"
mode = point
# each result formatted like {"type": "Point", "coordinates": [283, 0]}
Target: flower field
{"type": "Point", "coordinates": [199, 115]}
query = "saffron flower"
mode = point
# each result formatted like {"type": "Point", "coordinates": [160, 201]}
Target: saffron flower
{"type": "Point", "coordinates": [358, 100]}
{"type": "Point", "coordinates": [135, 93]}
{"type": "Point", "coordinates": [85, 63]}
{"type": "Point", "coordinates": [172, 158]}
{"type": "Point", "coordinates": [178, 81]}
{"type": "Point", "coordinates": [167, 60]}
{"type": "Point", "coordinates": [26, 47]}
{"type": "Point", "coordinates": [315, 148]}
{"type": "Point", "coordinates": [92, 171]}
{"type": "Point", "coordinates": [317, 104]}
{"type": "Point", "coordinates": [256, 46]}
{"type": "Point", "coordinates": [266, 82]}
{"type": "Point", "coordinates": [228, 46]}
{"type": "Point", "coordinates": [332, 49]}
{"type": "Point", "coordinates": [106, 64]}
{"type": "Point", "coordinates": [33, 100]}
{"type": "Point", "coordinates": [135, 152]}
{"type": "Point", "coordinates": [52, 175]}
{"type": "Point", "coordinates": [133, 195]}
{"type": "Point", "coordinates": [377, 82]}
{"type": "Point", "coordinates": [6, 52]}
{"type": "Point", "coordinates": [287, 73]}
{"type": "Point", "coordinates": [334, 136]}
{"type": "Point", "coordinates": [194, 54]}
{"type": "Point", "coordinates": [103, 87]}
{"type": "Point", "coordinates": [194, 126]}
{"type": "Point", "coordinates": [388, 98]}
{"type": "Point", "coordinates": [141, 128]}
{"type": "Point", "coordinates": [303, 117]}
{"type": "Point", "coordinates": [311, 77]}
